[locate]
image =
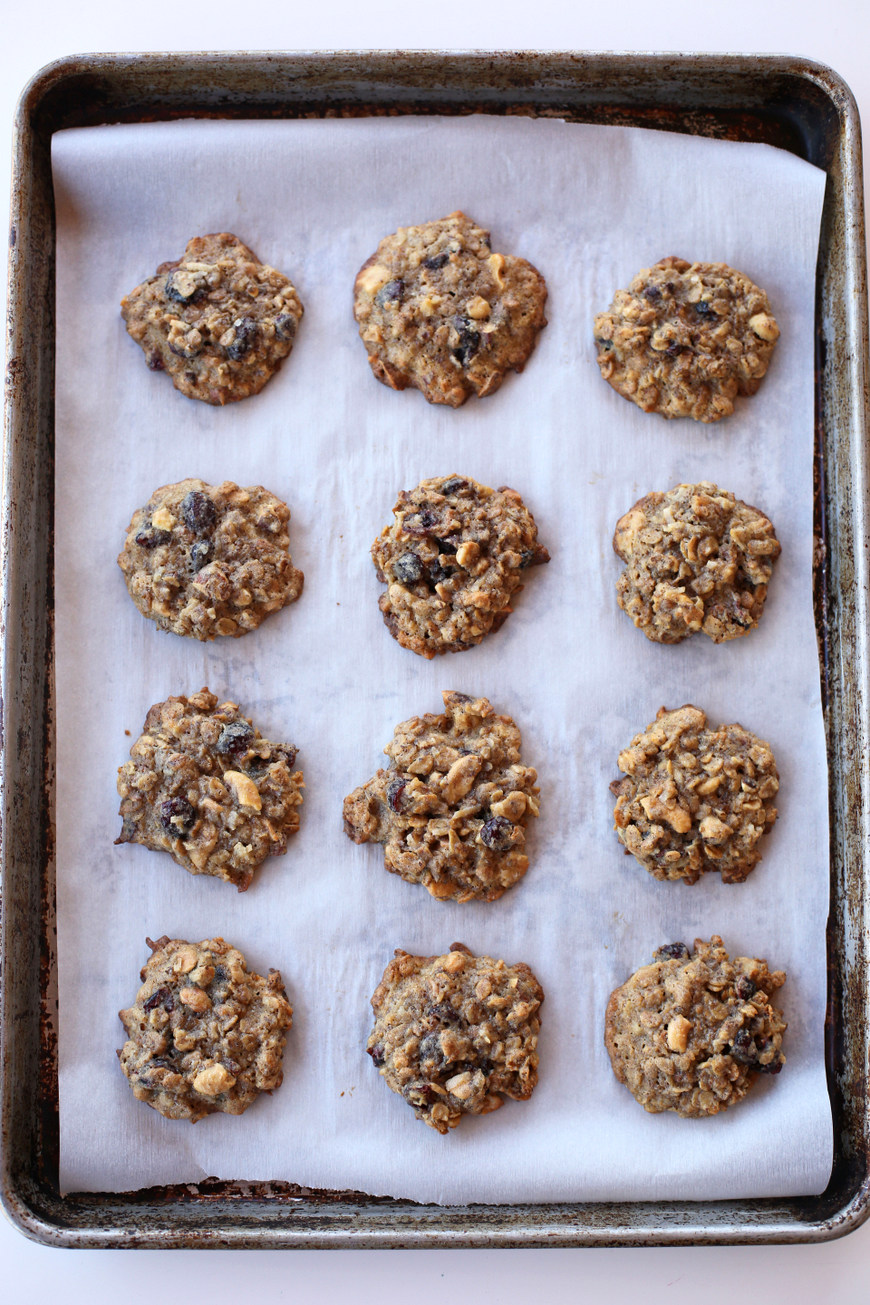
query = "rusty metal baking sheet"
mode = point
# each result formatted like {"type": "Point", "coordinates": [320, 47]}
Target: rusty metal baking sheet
{"type": "Point", "coordinates": [814, 116]}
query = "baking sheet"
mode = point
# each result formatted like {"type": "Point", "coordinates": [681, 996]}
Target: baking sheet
{"type": "Point", "coordinates": [588, 206]}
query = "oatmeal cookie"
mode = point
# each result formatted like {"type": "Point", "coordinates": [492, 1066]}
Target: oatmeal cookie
{"type": "Point", "coordinates": [205, 560]}
{"type": "Point", "coordinates": [451, 808]}
{"type": "Point", "coordinates": [697, 558]}
{"type": "Point", "coordinates": [455, 1034]}
{"type": "Point", "coordinates": [452, 561]}
{"type": "Point", "coordinates": [686, 338]}
{"type": "Point", "coordinates": [691, 1033]}
{"type": "Point", "coordinates": [203, 785]}
{"type": "Point", "coordinates": [217, 320]}
{"type": "Point", "coordinates": [203, 1034]}
{"type": "Point", "coordinates": [695, 799]}
{"type": "Point", "coordinates": [439, 311]}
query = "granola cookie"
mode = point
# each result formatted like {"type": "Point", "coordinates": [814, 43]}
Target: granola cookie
{"type": "Point", "coordinates": [456, 1034]}
{"type": "Point", "coordinates": [695, 799]}
{"type": "Point", "coordinates": [203, 1034]}
{"type": "Point", "coordinates": [205, 560]}
{"type": "Point", "coordinates": [452, 561]}
{"type": "Point", "coordinates": [439, 311]}
{"type": "Point", "coordinates": [691, 1033]}
{"type": "Point", "coordinates": [686, 338]}
{"type": "Point", "coordinates": [217, 320]}
{"type": "Point", "coordinates": [697, 558]}
{"type": "Point", "coordinates": [451, 809]}
{"type": "Point", "coordinates": [203, 785]}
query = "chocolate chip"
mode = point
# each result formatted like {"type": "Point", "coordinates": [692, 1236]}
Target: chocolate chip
{"type": "Point", "coordinates": [496, 834]}
{"type": "Point", "coordinates": [199, 512]}
{"type": "Point", "coordinates": [704, 308]}
{"type": "Point", "coordinates": [453, 484]}
{"type": "Point", "coordinates": [436, 261]}
{"type": "Point", "coordinates": [743, 1049]}
{"type": "Point", "coordinates": [177, 816]}
{"type": "Point", "coordinates": [421, 522]}
{"type": "Point", "coordinates": [773, 1068]}
{"type": "Point", "coordinates": [200, 554]}
{"type": "Point", "coordinates": [162, 997]}
{"type": "Point", "coordinates": [244, 333]}
{"type": "Point", "coordinates": [671, 952]}
{"type": "Point", "coordinates": [391, 293]}
{"type": "Point", "coordinates": [407, 569]}
{"type": "Point", "coordinates": [285, 326]}
{"type": "Point", "coordinates": [534, 556]}
{"type": "Point", "coordinates": [745, 988]}
{"type": "Point", "coordinates": [652, 293]}
{"type": "Point", "coordinates": [151, 538]}
{"type": "Point", "coordinates": [437, 574]}
{"type": "Point", "coordinates": [155, 362]}
{"type": "Point", "coordinates": [182, 288]}
{"type": "Point", "coordinates": [395, 789]}
{"type": "Point", "coordinates": [377, 1054]}
{"type": "Point", "coordinates": [469, 341]}
{"type": "Point", "coordinates": [235, 738]}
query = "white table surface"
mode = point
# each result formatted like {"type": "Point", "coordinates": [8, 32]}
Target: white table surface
{"type": "Point", "coordinates": [836, 33]}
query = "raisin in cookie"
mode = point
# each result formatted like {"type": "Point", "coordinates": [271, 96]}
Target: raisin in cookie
{"type": "Point", "coordinates": [686, 338]}
{"type": "Point", "coordinates": [455, 1034]}
{"type": "Point", "coordinates": [452, 561]}
{"type": "Point", "coordinates": [217, 320]}
{"type": "Point", "coordinates": [451, 808]}
{"type": "Point", "coordinates": [691, 1033]}
{"type": "Point", "coordinates": [695, 799]}
{"type": "Point", "coordinates": [204, 1035]}
{"type": "Point", "coordinates": [439, 311]}
{"type": "Point", "coordinates": [697, 558]}
{"type": "Point", "coordinates": [205, 560]}
{"type": "Point", "coordinates": [203, 785]}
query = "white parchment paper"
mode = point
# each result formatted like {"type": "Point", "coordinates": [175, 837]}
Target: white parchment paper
{"type": "Point", "coordinates": [589, 207]}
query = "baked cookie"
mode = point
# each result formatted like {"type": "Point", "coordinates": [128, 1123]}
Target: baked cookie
{"type": "Point", "coordinates": [203, 785]}
{"type": "Point", "coordinates": [452, 561]}
{"type": "Point", "coordinates": [697, 558]}
{"type": "Point", "coordinates": [691, 1033]}
{"type": "Point", "coordinates": [686, 338]}
{"type": "Point", "coordinates": [203, 1034]}
{"type": "Point", "coordinates": [455, 1034]}
{"type": "Point", "coordinates": [451, 809]}
{"type": "Point", "coordinates": [205, 560]}
{"type": "Point", "coordinates": [695, 799]}
{"type": "Point", "coordinates": [439, 311]}
{"type": "Point", "coordinates": [217, 320]}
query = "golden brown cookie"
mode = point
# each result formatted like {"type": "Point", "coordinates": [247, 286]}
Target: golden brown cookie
{"type": "Point", "coordinates": [692, 1032]}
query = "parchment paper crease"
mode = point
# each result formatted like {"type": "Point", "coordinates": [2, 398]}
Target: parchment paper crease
{"type": "Point", "coordinates": [589, 207]}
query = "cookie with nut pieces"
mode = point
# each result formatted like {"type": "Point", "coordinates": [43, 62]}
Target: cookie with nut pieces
{"type": "Point", "coordinates": [456, 1034]}
{"type": "Point", "coordinates": [439, 311]}
{"type": "Point", "coordinates": [204, 1034]}
{"type": "Point", "coordinates": [210, 560]}
{"type": "Point", "coordinates": [694, 798]}
{"type": "Point", "coordinates": [693, 1031]}
{"type": "Point", "coordinates": [203, 785]}
{"type": "Point", "coordinates": [686, 339]}
{"type": "Point", "coordinates": [452, 807]}
{"type": "Point", "coordinates": [217, 320]}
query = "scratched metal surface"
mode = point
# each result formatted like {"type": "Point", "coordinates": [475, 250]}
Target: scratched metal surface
{"type": "Point", "coordinates": [790, 103]}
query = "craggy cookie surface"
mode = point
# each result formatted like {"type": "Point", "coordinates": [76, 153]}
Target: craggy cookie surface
{"type": "Point", "coordinates": [205, 560]}
{"type": "Point", "coordinates": [217, 320]}
{"type": "Point", "coordinates": [204, 1035]}
{"type": "Point", "coordinates": [439, 311]}
{"type": "Point", "coordinates": [691, 1033]}
{"type": "Point", "coordinates": [451, 809]}
{"type": "Point", "coordinates": [203, 785]}
{"type": "Point", "coordinates": [695, 799]}
{"type": "Point", "coordinates": [452, 561]}
{"type": "Point", "coordinates": [686, 338]}
{"type": "Point", "coordinates": [696, 559]}
{"type": "Point", "coordinates": [455, 1034]}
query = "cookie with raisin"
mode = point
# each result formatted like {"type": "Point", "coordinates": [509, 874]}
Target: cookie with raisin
{"type": "Point", "coordinates": [204, 785]}
{"type": "Point", "coordinates": [204, 1034]}
{"type": "Point", "coordinates": [686, 339]}
{"type": "Point", "coordinates": [217, 320]}
{"type": "Point", "coordinates": [456, 1034]}
{"type": "Point", "coordinates": [694, 1030]}
{"type": "Point", "coordinates": [452, 807]}
{"type": "Point", "coordinates": [439, 311]}
{"type": "Point", "coordinates": [210, 560]}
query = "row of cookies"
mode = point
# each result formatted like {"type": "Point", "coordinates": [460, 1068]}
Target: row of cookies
{"type": "Point", "coordinates": [440, 312]}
